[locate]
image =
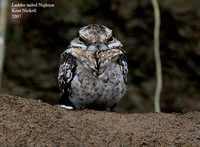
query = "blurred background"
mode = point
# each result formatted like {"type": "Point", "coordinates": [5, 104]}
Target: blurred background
{"type": "Point", "coordinates": [35, 41]}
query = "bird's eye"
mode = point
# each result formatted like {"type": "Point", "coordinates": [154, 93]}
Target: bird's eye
{"type": "Point", "coordinates": [82, 40]}
{"type": "Point", "coordinates": [110, 39]}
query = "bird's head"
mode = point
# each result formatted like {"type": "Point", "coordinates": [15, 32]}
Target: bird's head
{"type": "Point", "coordinates": [95, 37]}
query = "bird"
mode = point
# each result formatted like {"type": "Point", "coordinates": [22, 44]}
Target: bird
{"type": "Point", "coordinates": [93, 70]}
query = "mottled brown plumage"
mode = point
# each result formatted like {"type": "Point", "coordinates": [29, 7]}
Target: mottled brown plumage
{"type": "Point", "coordinates": [93, 70]}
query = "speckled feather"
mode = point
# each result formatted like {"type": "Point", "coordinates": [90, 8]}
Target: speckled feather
{"type": "Point", "coordinates": [93, 70]}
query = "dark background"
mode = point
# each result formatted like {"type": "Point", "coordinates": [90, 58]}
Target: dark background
{"type": "Point", "coordinates": [35, 42]}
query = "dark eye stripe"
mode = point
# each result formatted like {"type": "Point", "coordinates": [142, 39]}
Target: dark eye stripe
{"type": "Point", "coordinates": [81, 39]}
{"type": "Point", "coordinates": [110, 39]}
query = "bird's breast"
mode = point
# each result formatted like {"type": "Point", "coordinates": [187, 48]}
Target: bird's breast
{"type": "Point", "coordinates": [108, 75]}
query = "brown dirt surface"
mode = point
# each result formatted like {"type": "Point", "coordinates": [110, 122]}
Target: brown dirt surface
{"type": "Point", "coordinates": [29, 122]}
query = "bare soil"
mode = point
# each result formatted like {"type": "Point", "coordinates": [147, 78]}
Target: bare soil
{"type": "Point", "coordinates": [29, 122]}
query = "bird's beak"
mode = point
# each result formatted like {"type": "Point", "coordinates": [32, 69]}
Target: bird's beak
{"type": "Point", "coordinates": [102, 46]}
{"type": "Point", "coordinates": [97, 46]}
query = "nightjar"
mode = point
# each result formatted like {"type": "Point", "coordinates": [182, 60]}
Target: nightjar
{"type": "Point", "coordinates": [93, 70]}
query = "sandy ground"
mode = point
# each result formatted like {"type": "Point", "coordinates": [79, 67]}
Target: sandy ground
{"type": "Point", "coordinates": [29, 122]}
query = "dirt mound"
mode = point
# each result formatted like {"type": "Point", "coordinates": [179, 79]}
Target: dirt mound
{"type": "Point", "coordinates": [28, 122]}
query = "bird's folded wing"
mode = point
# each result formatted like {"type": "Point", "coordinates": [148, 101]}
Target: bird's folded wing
{"type": "Point", "coordinates": [66, 74]}
{"type": "Point", "coordinates": [122, 61]}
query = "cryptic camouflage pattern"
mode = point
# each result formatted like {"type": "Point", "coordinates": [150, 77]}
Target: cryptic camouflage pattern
{"type": "Point", "coordinates": [93, 70]}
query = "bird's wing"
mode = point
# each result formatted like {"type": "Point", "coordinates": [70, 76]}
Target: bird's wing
{"type": "Point", "coordinates": [66, 74]}
{"type": "Point", "coordinates": [115, 55]}
{"type": "Point", "coordinates": [122, 61]}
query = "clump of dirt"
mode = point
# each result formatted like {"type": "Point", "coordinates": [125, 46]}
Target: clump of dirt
{"type": "Point", "coordinates": [29, 122]}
